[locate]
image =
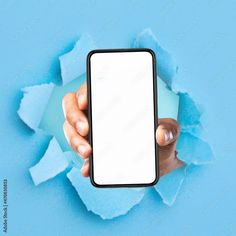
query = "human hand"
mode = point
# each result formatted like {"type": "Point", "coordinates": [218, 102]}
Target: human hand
{"type": "Point", "coordinates": [76, 129]}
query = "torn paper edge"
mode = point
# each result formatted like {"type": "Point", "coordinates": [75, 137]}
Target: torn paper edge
{"type": "Point", "coordinates": [196, 161]}
{"type": "Point", "coordinates": [27, 112]}
{"type": "Point", "coordinates": [53, 162]}
{"type": "Point", "coordinates": [167, 67]}
{"type": "Point", "coordinates": [73, 63]}
{"type": "Point", "coordinates": [180, 181]}
{"type": "Point", "coordinates": [141, 191]}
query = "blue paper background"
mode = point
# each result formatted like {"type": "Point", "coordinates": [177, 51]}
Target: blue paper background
{"type": "Point", "coordinates": [200, 35]}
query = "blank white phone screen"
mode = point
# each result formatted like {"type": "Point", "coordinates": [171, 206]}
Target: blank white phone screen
{"type": "Point", "coordinates": [122, 107]}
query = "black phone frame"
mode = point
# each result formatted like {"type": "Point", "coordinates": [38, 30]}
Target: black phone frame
{"type": "Point", "coordinates": [90, 136]}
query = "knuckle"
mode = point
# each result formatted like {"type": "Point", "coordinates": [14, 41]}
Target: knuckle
{"type": "Point", "coordinates": [67, 97]}
{"type": "Point", "coordinates": [74, 141]}
{"type": "Point", "coordinates": [72, 117]}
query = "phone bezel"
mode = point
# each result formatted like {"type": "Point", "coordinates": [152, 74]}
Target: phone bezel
{"type": "Point", "coordinates": [90, 136]}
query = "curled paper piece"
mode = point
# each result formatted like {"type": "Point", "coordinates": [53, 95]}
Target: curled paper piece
{"type": "Point", "coordinates": [34, 103]}
{"type": "Point", "coordinates": [73, 63]}
{"type": "Point", "coordinates": [107, 203]}
{"type": "Point", "coordinates": [52, 163]}
{"type": "Point", "coordinates": [193, 150]}
{"type": "Point", "coordinates": [189, 112]}
{"type": "Point", "coordinates": [169, 185]}
{"type": "Point", "coordinates": [166, 65]}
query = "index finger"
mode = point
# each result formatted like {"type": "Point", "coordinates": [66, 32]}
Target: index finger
{"type": "Point", "coordinates": [81, 96]}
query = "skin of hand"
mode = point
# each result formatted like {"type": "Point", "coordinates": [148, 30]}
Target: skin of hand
{"type": "Point", "coordinates": [76, 129]}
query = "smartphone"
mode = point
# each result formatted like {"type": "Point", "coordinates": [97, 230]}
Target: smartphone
{"type": "Point", "coordinates": [122, 97]}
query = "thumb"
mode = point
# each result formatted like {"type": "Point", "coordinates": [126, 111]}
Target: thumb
{"type": "Point", "coordinates": [166, 136]}
{"type": "Point", "coordinates": [167, 132]}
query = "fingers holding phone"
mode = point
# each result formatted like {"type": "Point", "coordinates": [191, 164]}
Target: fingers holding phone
{"type": "Point", "coordinates": [76, 125]}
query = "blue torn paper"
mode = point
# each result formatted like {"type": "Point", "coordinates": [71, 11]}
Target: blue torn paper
{"type": "Point", "coordinates": [52, 163]}
{"type": "Point", "coordinates": [73, 159]}
{"type": "Point", "coordinates": [105, 202]}
{"type": "Point", "coordinates": [169, 185]}
{"type": "Point", "coordinates": [33, 104]}
{"type": "Point", "coordinates": [73, 63]}
{"type": "Point", "coordinates": [166, 65]}
{"type": "Point", "coordinates": [192, 149]}
{"type": "Point", "coordinates": [189, 112]}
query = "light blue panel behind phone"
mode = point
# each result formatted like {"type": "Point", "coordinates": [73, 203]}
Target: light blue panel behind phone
{"type": "Point", "coordinates": [168, 101]}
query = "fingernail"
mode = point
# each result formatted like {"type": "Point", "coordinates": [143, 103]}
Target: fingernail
{"type": "Point", "coordinates": [82, 149]}
{"type": "Point", "coordinates": [168, 136]}
{"type": "Point", "coordinates": [80, 126]}
{"type": "Point", "coordinates": [169, 133]}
